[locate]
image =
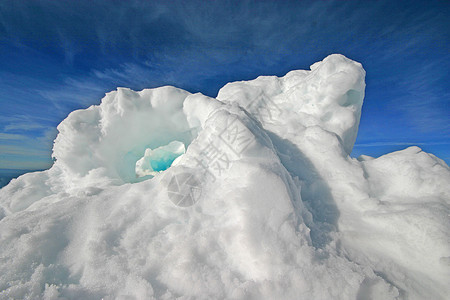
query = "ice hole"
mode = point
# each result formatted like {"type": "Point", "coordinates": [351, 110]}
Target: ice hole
{"type": "Point", "coordinates": [159, 159]}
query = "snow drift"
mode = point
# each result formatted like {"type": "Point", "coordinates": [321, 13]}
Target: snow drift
{"type": "Point", "coordinates": [165, 194]}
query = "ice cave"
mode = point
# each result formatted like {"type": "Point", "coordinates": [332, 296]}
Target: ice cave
{"type": "Point", "coordinates": [159, 159]}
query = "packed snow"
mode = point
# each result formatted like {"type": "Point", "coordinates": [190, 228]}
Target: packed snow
{"type": "Point", "coordinates": [163, 194]}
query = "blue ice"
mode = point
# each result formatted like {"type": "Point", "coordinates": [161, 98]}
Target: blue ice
{"type": "Point", "coordinates": [159, 159]}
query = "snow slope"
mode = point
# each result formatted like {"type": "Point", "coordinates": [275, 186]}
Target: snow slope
{"type": "Point", "coordinates": [264, 203]}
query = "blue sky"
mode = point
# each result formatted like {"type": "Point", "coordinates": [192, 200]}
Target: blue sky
{"type": "Point", "coordinates": [57, 56]}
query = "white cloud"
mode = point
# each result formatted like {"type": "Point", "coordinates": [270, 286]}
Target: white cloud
{"type": "Point", "coordinates": [21, 151]}
{"type": "Point", "coordinates": [9, 136]}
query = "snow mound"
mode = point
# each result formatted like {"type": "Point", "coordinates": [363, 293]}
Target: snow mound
{"type": "Point", "coordinates": [163, 194]}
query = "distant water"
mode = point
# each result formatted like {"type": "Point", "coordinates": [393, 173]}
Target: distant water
{"type": "Point", "coordinates": [7, 174]}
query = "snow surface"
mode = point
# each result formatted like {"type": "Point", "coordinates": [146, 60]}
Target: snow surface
{"type": "Point", "coordinates": [265, 203]}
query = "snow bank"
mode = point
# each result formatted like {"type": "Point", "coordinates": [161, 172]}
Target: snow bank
{"type": "Point", "coordinates": [257, 199]}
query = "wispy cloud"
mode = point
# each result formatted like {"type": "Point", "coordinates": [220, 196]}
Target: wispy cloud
{"type": "Point", "coordinates": [9, 136]}
{"type": "Point", "coordinates": [425, 102]}
{"type": "Point", "coordinates": [22, 151]}
{"type": "Point", "coordinates": [20, 123]}
{"type": "Point", "coordinates": [23, 126]}
{"type": "Point", "coordinates": [383, 144]}
{"type": "Point", "coordinates": [24, 163]}
{"type": "Point", "coordinates": [25, 151]}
